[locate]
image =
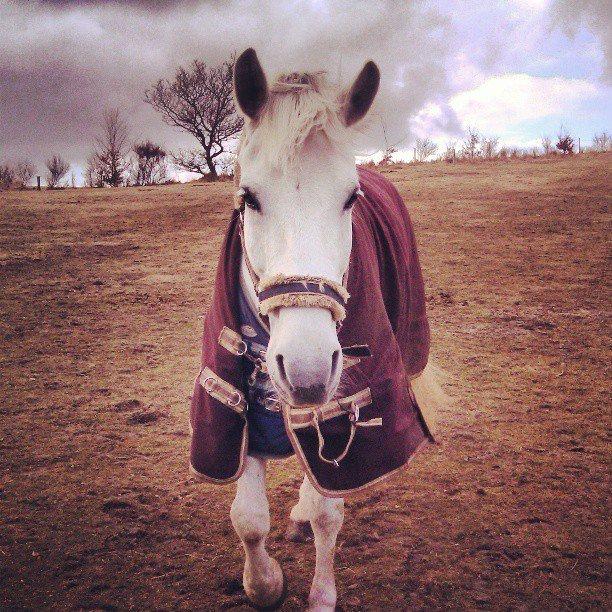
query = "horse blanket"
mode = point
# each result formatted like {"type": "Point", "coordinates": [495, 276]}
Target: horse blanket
{"type": "Point", "coordinates": [374, 423]}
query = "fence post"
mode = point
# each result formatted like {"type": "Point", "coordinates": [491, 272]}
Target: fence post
{"type": "Point", "coordinates": [38, 183]}
{"type": "Point", "coordinates": [578, 144]}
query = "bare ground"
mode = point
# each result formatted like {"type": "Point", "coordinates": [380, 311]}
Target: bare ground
{"type": "Point", "coordinates": [102, 293]}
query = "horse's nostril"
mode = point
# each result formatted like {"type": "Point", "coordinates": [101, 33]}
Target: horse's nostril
{"type": "Point", "coordinates": [334, 365]}
{"type": "Point", "coordinates": [280, 362]}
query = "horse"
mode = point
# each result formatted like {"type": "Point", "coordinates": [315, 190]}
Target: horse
{"type": "Point", "coordinates": [316, 342]}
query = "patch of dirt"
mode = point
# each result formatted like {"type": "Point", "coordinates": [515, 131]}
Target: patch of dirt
{"type": "Point", "coordinates": [102, 295]}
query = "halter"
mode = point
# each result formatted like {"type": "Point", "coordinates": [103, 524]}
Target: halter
{"type": "Point", "coordinates": [283, 290]}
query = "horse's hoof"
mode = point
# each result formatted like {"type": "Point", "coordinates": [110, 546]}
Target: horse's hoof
{"type": "Point", "coordinates": [299, 531]}
{"type": "Point", "coordinates": [274, 600]}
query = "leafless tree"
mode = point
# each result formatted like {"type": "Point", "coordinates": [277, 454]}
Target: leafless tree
{"type": "Point", "coordinates": [547, 145]}
{"type": "Point", "coordinates": [565, 142]}
{"type": "Point", "coordinates": [488, 146]}
{"type": "Point", "coordinates": [602, 142]}
{"type": "Point", "coordinates": [450, 152]}
{"type": "Point", "coordinates": [469, 148]}
{"type": "Point", "coordinates": [7, 176]}
{"type": "Point", "coordinates": [94, 172]}
{"type": "Point", "coordinates": [387, 157]}
{"type": "Point", "coordinates": [24, 171]}
{"type": "Point", "coordinates": [150, 167]}
{"type": "Point", "coordinates": [424, 148]}
{"type": "Point", "coordinates": [58, 168]}
{"type": "Point", "coordinates": [109, 160]}
{"type": "Point", "coordinates": [199, 100]}
{"type": "Point", "coordinates": [226, 164]}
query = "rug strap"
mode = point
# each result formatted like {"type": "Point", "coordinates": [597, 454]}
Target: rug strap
{"type": "Point", "coordinates": [222, 391]}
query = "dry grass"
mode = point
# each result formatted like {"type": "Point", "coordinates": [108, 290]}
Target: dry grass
{"type": "Point", "coordinates": [102, 292]}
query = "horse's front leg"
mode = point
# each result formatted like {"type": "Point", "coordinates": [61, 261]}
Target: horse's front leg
{"type": "Point", "coordinates": [263, 578]}
{"type": "Point", "coordinates": [326, 515]}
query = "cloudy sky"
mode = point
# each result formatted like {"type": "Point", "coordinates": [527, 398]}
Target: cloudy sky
{"type": "Point", "coordinates": [516, 69]}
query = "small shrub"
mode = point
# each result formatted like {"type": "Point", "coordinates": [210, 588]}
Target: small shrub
{"type": "Point", "coordinates": [488, 147]}
{"type": "Point", "coordinates": [387, 158]}
{"type": "Point", "coordinates": [547, 145]}
{"type": "Point", "coordinates": [24, 171]}
{"type": "Point", "coordinates": [58, 168]}
{"type": "Point", "coordinates": [469, 149]}
{"type": "Point", "coordinates": [424, 148]}
{"type": "Point", "coordinates": [150, 168]}
{"type": "Point", "coordinates": [602, 142]}
{"type": "Point", "coordinates": [565, 142]}
{"type": "Point", "coordinates": [450, 152]}
{"type": "Point", "coordinates": [7, 176]}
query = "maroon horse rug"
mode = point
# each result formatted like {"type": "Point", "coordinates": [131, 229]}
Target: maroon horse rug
{"type": "Point", "coordinates": [373, 426]}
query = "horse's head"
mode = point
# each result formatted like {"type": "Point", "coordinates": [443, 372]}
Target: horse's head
{"type": "Point", "coordinates": [298, 182]}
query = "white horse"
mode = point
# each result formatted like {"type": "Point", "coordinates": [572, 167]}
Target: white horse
{"type": "Point", "coordinates": [298, 178]}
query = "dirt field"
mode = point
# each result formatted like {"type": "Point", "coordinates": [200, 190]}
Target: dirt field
{"type": "Point", "coordinates": [102, 293]}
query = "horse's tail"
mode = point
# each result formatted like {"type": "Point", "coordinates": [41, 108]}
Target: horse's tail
{"type": "Point", "coordinates": [431, 398]}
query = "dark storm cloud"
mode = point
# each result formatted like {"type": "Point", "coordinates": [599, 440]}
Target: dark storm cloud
{"type": "Point", "coordinates": [63, 62]}
{"type": "Point", "coordinates": [161, 5]}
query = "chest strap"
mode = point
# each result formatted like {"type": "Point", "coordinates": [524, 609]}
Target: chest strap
{"type": "Point", "coordinates": [300, 418]}
{"type": "Point", "coordinates": [222, 391]}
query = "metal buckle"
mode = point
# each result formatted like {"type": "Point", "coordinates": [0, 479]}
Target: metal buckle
{"type": "Point", "coordinates": [207, 387]}
{"type": "Point", "coordinates": [271, 401]}
{"type": "Point", "coordinates": [237, 403]}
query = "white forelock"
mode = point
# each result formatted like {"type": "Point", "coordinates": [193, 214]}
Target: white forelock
{"type": "Point", "coordinates": [299, 105]}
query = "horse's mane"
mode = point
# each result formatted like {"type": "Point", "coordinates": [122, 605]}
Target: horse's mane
{"type": "Point", "coordinates": [299, 104]}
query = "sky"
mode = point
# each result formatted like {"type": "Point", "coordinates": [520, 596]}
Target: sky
{"type": "Point", "coordinates": [515, 69]}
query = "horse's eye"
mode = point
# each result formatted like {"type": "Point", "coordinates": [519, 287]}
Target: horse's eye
{"type": "Point", "coordinates": [251, 201]}
{"type": "Point", "coordinates": [351, 201]}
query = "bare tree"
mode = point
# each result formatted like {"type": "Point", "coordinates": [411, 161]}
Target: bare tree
{"type": "Point", "coordinates": [488, 146]}
{"type": "Point", "coordinates": [450, 152]}
{"type": "Point", "coordinates": [387, 157]}
{"type": "Point", "coordinates": [24, 171]}
{"type": "Point", "coordinates": [58, 168]}
{"type": "Point", "coordinates": [602, 142]}
{"type": "Point", "coordinates": [424, 148]}
{"type": "Point", "coordinates": [565, 142]}
{"type": "Point", "coordinates": [199, 100]}
{"type": "Point", "coordinates": [547, 145]}
{"type": "Point", "coordinates": [150, 168]}
{"type": "Point", "coordinates": [7, 176]}
{"type": "Point", "coordinates": [94, 172]}
{"type": "Point", "coordinates": [226, 164]}
{"type": "Point", "coordinates": [108, 161]}
{"type": "Point", "coordinates": [469, 148]}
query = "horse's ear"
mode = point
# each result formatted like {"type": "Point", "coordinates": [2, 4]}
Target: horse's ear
{"type": "Point", "coordinates": [357, 101]}
{"type": "Point", "coordinates": [250, 85]}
